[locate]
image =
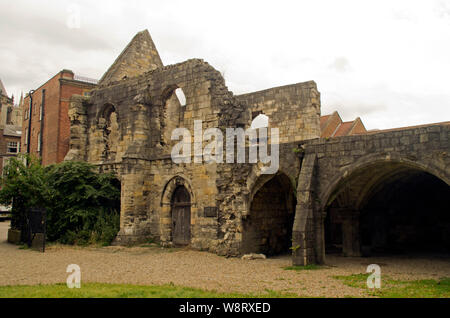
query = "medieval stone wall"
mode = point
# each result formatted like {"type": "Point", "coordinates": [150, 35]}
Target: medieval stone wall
{"type": "Point", "coordinates": [294, 109]}
{"type": "Point", "coordinates": [125, 127]}
{"type": "Point", "coordinates": [348, 168]}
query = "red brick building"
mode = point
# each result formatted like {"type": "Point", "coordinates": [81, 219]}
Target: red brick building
{"type": "Point", "coordinates": [333, 126]}
{"type": "Point", "coordinates": [47, 135]}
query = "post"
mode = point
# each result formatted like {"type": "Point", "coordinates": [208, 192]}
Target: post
{"type": "Point", "coordinates": [29, 121]}
{"type": "Point", "coordinates": [350, 232]}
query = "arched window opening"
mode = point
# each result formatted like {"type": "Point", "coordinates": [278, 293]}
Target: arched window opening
{"type": "Point", "coordinates": [172, 113]}
{"type": "Point", "coordinates": [110, 124]}
{"type": "Point", "coordinates": [181, 97]}
{"type": "Point", "coordinates": [260, 121]}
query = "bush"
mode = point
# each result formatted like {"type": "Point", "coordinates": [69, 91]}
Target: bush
{"type": "Point", "coordinates": [82, 205]}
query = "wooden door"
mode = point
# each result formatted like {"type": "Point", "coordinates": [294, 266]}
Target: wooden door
{"type": "Point", "coordinates": [181, 216]}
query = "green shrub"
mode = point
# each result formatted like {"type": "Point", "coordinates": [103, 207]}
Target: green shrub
{"type": "Point", "coordinates": [82, 205]}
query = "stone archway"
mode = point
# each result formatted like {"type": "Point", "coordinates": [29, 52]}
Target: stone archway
{"type": "Point", "coordinates": [173, 101]}
{"type": "Point", "coordinates": [181, 216]}
{"type": "Point", "coordinates": [267, 228]}
{"type": "Point", "coordinates": [177, 202]}
{"type": "Point", "coordinates": [109, 123]}
{"type": "Point", "coordinates": [387, 207]}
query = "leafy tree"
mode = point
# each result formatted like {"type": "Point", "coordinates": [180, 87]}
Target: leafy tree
{"type": "Point", "coordinates": [82, 205]}
{"type": "Point", "coordinates": [24, 184]}
{"type": "Point", "coordinates": [85, 203]}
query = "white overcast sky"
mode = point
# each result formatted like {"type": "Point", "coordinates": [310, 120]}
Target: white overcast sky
{"type": "Point", "coordinates": [385, 61]}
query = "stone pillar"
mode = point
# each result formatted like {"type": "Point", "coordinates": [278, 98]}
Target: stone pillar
{"type": "Point", "coordinates": [320, 236]}
{"type": "Point", "coordinates": [303, 236]}
{"type": "Point", "coordinates": [133, 216]}
{"type": "Point", "coordinates": [350, 232]}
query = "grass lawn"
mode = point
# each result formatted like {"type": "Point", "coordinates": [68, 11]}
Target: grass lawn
{"type": "Point", "coordinates": [303, 268]}
{"type": "Point", "coordinates": [401, 289]}
{"type": "Point", "coordinates": [98, 290]}
{"type": "Point", "coordinates": [389, 289]}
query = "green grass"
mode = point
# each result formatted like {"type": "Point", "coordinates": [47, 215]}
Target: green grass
{"type": "Point", "coordinates": [98, 290]}
{"type": "Point", "coordinates": [391, 288]}
{"type": "Point", "coordinates": [303, 268]}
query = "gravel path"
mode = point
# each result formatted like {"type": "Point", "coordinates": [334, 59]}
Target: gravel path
{"type": "Point", "coordinates": [153, 265]}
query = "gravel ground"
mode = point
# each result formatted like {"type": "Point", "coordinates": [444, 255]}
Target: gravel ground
{"type": "Point", "coordinates": [153, 265]}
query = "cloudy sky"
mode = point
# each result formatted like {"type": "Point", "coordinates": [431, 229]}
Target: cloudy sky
{"type": "Point", "coordinates": [385, 61]}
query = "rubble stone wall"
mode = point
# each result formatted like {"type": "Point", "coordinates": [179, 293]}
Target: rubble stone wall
{"type": "Point", "coordinates": [125, 127]}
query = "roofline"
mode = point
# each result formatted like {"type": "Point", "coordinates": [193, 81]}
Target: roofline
{"type": "Point", "coordinates": [63, 70]}
{"type": "Point", "coordinates": [372, 131]}
{"type": "Point", "coordinates": [65, 79]}
{"type": "Point", "coordinates": [279, 87]}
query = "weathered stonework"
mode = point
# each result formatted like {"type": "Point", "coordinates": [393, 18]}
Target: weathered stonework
{"type": "Point", "coordinates": [125, 126]}
{"type": "Point", "coordinates": [342, 174]}
{"type": "Point", "coordinates": [126, 123]}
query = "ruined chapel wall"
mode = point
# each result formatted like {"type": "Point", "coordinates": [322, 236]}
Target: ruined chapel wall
{"type": "Point", "coordinates": [294, 109]}
{"type": "Point", "coordinates": [147, 167]}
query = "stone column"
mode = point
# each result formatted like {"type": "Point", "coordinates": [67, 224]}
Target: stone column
{"type": "Point", "coordinates": [303, 236]}
{"type": "Point", "coordinates": [320, 236]}
{"type": "Point", "coordinates": [350, 232]}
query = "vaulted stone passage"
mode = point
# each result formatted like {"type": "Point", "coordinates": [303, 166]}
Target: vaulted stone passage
{"type": "Point", "coordinates": [268, 228]}
{"type": "Point", "coordinates": [409, 214]}
{"type": "Point", "coordinates": [389, 208]}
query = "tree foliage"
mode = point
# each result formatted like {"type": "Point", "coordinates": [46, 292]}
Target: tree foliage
{"type": "Point", "coordinates": [82, 205]}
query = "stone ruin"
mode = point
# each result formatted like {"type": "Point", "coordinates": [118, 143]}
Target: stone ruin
{"type": "Point", "coordinates": [125, 126]}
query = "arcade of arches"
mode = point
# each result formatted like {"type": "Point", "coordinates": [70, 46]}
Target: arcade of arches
{"type": "Point", "coordinates": [382, 205]}
{"type": "Point", "coordinates": [389, 208]}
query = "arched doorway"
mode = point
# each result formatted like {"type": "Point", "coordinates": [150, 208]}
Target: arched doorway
{"type": "Point", "coordinates": [268, 227]}
{"type": "Point", "coordinates": [389, 208]}
{"type": "Point", "coordinates": [181, 216]}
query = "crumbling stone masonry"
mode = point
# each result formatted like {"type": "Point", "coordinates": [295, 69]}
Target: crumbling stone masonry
{"type": "Point", "coordinates": [229, 209]}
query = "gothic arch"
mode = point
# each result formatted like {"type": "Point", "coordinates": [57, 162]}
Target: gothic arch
{"type": "Point", "coordinates": [256, 180]}
{"type": "Point", "coordinates": [166, 229]}
{"type": "Point", "coordinates": [377, 159]}
{"type": "Point", "coordinates": [108, 122]}
{"type": "Point", "coordinates": [385, 203]}
{"type": "Point", "coordinates": [171, 185]}
{"type": "Point", "coordinates": [171, 113]}
{"type": "Point", "coordinates": [106, 112]}
{"type": "Point", "coordinates": [268, 225]}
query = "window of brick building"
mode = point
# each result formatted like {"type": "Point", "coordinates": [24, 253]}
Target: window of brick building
{"type": "Point", "coordinates": [41, 110]}
{"type": "Point", "coordinates": [13, 147]}
{"type": "Point", "coordinates": [39, 142]}
{"type": "Point", "coordinates": [26, 136]}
